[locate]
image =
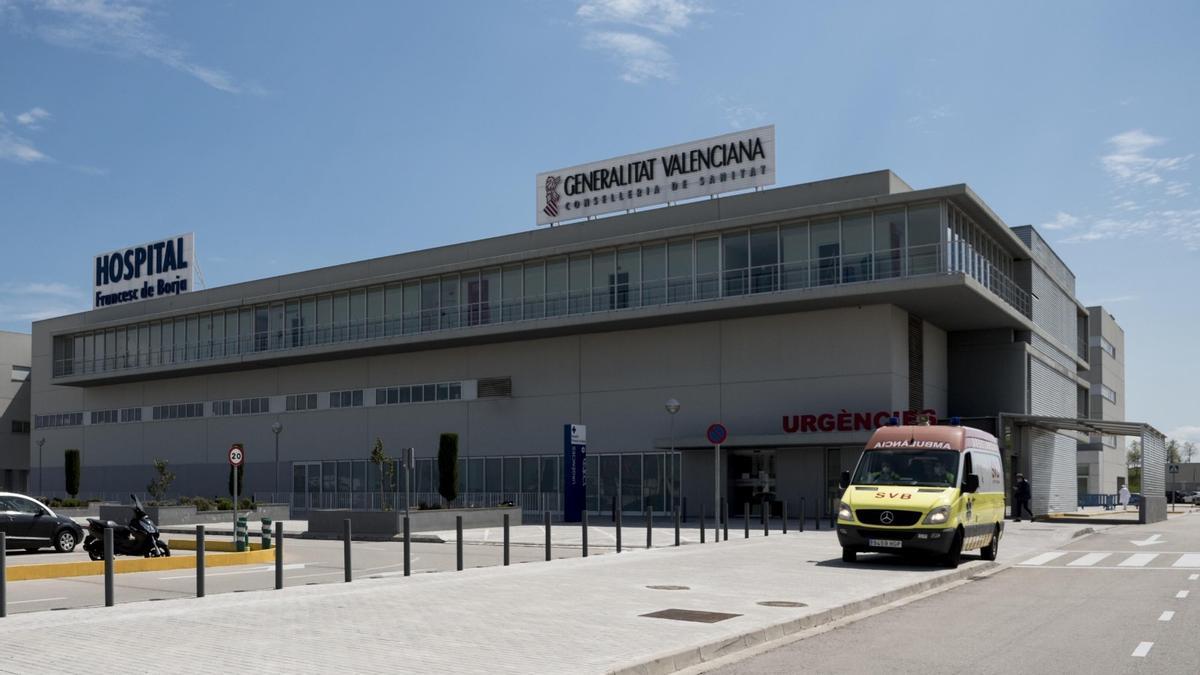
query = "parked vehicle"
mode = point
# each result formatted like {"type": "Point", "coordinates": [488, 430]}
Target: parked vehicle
{"type": "Point", "coordinates": [1192, 497]}
{"type": "Point", "coordinates": [30, 524]}
{"type": "Point", "coordinates": [1176, 497]}
{"type": "Point", "coordinates": [139, 538]}
{"type": "Point", "coordinates": [924, 489]}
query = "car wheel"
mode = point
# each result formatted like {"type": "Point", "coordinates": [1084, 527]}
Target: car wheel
{"type": "Point", "coordinates": [64, 541]}
{"type": "Point", "coordinates": [849, 555]}
{"type": "Point", "coordinates": [954, 555]}
{"type": "Point", "coordinates": [990, 551]}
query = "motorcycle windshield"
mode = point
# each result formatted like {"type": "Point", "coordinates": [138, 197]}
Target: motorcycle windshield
{"type": "Point", "coordinates": [148, 526]}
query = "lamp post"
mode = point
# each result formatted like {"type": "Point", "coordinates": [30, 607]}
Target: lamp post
{"type": "Point", "coordinates": [41, 467]}
{"type": "Point", "coordinates": [276, 428]}
{"type": "Point", "coordinates": [672, 407]}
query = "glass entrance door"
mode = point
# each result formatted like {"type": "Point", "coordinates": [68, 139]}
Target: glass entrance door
{"type": "Point", "coordinates": [306, 485]}
{"type": "Point", "coordinates": [751, 480]}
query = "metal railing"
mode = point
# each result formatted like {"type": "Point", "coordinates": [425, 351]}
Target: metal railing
{"type": "Point", "coordinates": [777, 278]}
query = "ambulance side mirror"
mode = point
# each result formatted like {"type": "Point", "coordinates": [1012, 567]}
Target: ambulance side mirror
{"type": "Point", "coordinates": [845, 481]}
{"type": "Point", "coordinates": [971, 483]}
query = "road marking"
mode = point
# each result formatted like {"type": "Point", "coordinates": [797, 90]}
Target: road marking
{"type": "Point", "coordinates": [1044, 558]}
{"type": "Point", "coordinates": [22, 602]}
{"type": "Point", "coordinates": [1143, 649]}
{"type": "Point", "coordinates": [1148, 541]}
{"type": "Point", "coordinates": [1188, 560]}
{"type": "Point", "coordinates": [1138, 560]}
{"type": "Point", "coordinates": [264, 568]}
{"type": "Point", "coordinates": [1166, 616]}
{"type": "Point", "coordinates": [1181, 595]}
{"type": "Point", "coordinates": [1087, 560]}
{"type": "Point", "coordinates": [1193, 577]}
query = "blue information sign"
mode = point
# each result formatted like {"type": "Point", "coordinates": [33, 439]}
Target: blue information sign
{"type": "Point", "coordinates": [574, 471]}
{"type": "Point", "coordinates": [717, 434]}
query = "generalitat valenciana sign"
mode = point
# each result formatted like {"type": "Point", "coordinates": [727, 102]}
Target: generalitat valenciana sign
{"type": "Point", "coordinates": [145, 271]}
{"type": "Point", "coordinates": [736, 161]}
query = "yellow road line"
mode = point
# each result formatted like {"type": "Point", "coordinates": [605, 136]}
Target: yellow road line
{"type": "Point", "coordinates": [132, 565]}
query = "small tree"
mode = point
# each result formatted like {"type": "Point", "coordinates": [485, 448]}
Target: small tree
{"type": "Point", "coordinates": [71, 464]}
{"type": "Point", "coordinates": [1173, 456]}
{"type": "Point", "coordinates": [162, 480]}
{"type": "Point", "coordinates": [381, 460]}
{"type": "Point", "coordinates": [448, 466]}
{"type": "Point", "coordinates": [1133, 462]}
{"type": "Point", "coordinates": [240, 471]}
{"type": "Point", "coordinates": [1189, 451]}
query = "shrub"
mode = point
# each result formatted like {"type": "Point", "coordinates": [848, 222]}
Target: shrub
{"type": "Point", "coordinates": [163, 477]}
{"type": "Point", "coordinates": [246, 504]}
{"type": "Point", "coordinates": [201, 504]}
{"type": "Point", "coordinates": [54, 502]}
{"type": "Point", "coordinates": [224, 504]}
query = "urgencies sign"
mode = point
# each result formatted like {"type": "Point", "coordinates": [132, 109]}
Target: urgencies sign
{"type": "Point", "coordinates": [852, 421]}
{"type": "Point", "coordinates": [145, 271]}
{"type": "Point", "coordinates": [736, 161]}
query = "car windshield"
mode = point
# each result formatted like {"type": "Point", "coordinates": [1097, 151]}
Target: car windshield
{"type": "Point", "coordinates": [901, 466]}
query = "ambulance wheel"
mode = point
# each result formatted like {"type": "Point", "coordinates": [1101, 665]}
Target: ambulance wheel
{"type": "Point", "coordinates": [849, 554]}
{"type": "Point", "coordinates": [954, 555]}
{"type": "Point", "coordinates": [989, 552]}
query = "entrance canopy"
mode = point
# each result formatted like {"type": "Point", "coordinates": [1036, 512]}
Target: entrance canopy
{"type": "Point", "coordinates": [1088, 426]}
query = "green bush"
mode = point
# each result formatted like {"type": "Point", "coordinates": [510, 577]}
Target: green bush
{"type": "Point", "coordinates": [224, 504]}
{"type": "Point", "coordinates": [201, 504]}
{"type": "Point", "coordinates": [246, 504]}
{"type": "Point", "coordinates": [54, 502]}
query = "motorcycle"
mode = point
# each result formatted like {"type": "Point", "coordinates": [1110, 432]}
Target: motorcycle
{"type": "Point", "coordinates": [139, 538]}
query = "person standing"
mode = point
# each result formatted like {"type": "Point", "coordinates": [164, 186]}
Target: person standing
{"type": "Point", "coordinates": [1123, 496]}
{"type": "Point", "coordinates": [1023, 494]}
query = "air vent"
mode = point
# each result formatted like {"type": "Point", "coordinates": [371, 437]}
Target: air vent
{"type": "Point", "coordinates": [495, 387]}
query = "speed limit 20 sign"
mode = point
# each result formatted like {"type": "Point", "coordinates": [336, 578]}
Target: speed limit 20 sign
{"type": "Point", "coordinates": [236, 455]}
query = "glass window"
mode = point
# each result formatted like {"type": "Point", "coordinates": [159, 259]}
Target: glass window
{"type": "Point", "coordinates": [856, 248]}
{"type": "Point", "coordinates": [357, 327]}
{"type": "Point", "coordinates": [308, 321]}
{"type": "Point", "coordinates": [511, 292]}
{"type": "Point", "coordinates": [429, 304]}
{"type": "Point", "coordinates": [591, 466]}
{"type": "Point", "coordinates": [602, 280]}
{"type": "Point", "coordinates": [764, 259]}
{"type": "Point", "coordinates": [231, 332]}
{"type": "Point", "coordinates": [261, 327]}
{"type": "Point", "coordinates": [889, 243]}
{"type": "Point", "coordinates": [340, 326]}
{"type": "Point", "coordinates": [793, 242]}
{"type": "Point", "coordinates": [469, 299]}
{"type": "Point", "coordinates": [493, 475]}
{"type": "Point", "coordinates": [580, 284]}
{"type": "Point", "coordinates": [489, 295]}
{"type": "Point", "coordinates": [324, 318]}
{"type": "Point", "coordinates": [512, 474]}
{"type": "Point", "coordinates": [393, 308]}
{"type": "Point", "coordinates": [631, 483]}
{"type": "Point", "coordinates": [291, 323]}
{"type": "Point", "coordinates": [529, 474]}
{"type": "Point", "coordinates": [736, 260]}
{"type": "Point", "coordinates": [556, 287]}
{"type": "Point", "coordinates": [180, 339]}
{"type": "Point", "coordinates": [449, 304]}
{"type": "Point", "coordinates": [374, 311]}
{"type": "Point", "coordinates": [122, 346]}
{"type": "Point", "coordinates": [708, 272]}
{"type": "Point", "coordinates": [443, 392]}
{"type": "Point", "coordinates": [475, 470]}
{"type": "Point", "coordinates": [654, 274]}
{"type": "Point", "coordinates": [430, 392]}
{"type": "Point", "coordinates": [550, 474]}
{"type": "Point", "coordinates": [924, 232]}
{"type": "Point", "coordinates": [276, 325]}
{"type": "Point", "coordinates": [654, 482]}
{"type": "Point", "coordinates": [535, 290]}
{"type": "Point", "coordinates": [412, 307]}
{"type": "Point", "coordinates": [218, 335]}
{"type": "Point", "coordinates": [825, 251]}
{"type": "Point", "coordinates": [626, 287]}
{"type": "Point", "coordinates": [679, 271]}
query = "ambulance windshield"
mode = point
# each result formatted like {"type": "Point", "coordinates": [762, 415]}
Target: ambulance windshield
{"type": "Point", "coordinates": [908, 466]}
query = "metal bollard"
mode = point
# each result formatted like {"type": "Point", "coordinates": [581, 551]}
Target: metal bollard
{"type": "Point", "coordinates": [817, 516]}
{"type": "Point", "coordinates": [614, 509]}
{"type": "Point", "coordinates": [746, 518]}
{"type": "Point", "coordinates": [279, 556]}
{"type": "Point", "coordinates": [584, 527]}
{"type": "Point", "coordinates": [703, 525]}
{"type": "Point", "coordinates": [785, 516]}
{"type": "Point", "coordinates": [725, 517]}
{"type": "Point", "coordinates": [802, 514]}
{"type": "Point", "coordinates": [3, 577]}
{"type": "Point", "coordinates": [408, 547]}
{"type": "Point", "coordinates": [677, 527]}
{"type": "Point", "coordinates": [346, 549]}
{"type": "Point", "coordinates": [766, 519]}
{"type": "Point", "coordinates": [506, 540]}
{"type": "Point", "coordinates": [108, 567]}
{"type": "Point", "coordinates": [241, 535]}
{"type": "Point", "coordinates": [546, 520]}
{"type": "Point", "coordinates": [649, 525]}
{"type": "Point", "coordinates": [618, 512]}
{"type": "Point", "coordinates": [458, 543]}
{"type": "Point", "coordinates": [199, 561]}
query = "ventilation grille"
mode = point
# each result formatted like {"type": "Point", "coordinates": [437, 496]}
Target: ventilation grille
{"type": "Point", "coordinates": [495, 387]}
{"type": "Point", "coordinates": [916, 363]}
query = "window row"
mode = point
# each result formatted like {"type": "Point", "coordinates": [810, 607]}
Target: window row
{"type": "Point", "coordinates": [299, 402]}
{"type": "Point", "coordinates": [20, 426]}
{"type": "Point", "coordinates": [114, 416]}
{"type": "Point", "coordinates": [71, 419]}
{"type": "Point", "coordinates": [849, 248]}
{"type": "Point", "coordinates": [242, 406]}
{"type": "Point", "coordinates": [176, 411]}
{"type": "Point", "coordinates": [351, 398]}
{"type": "Point", "coordinates": [418, 393]}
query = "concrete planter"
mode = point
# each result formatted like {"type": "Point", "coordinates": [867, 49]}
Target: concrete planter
{"type": "Point", "coordinates": [384, 524]}
{"type": "Point", "coordinates": [187, 515]}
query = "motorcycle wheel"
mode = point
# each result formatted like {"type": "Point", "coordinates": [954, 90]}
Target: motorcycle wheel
{"type": "Point", "coordinates": [95, 554]}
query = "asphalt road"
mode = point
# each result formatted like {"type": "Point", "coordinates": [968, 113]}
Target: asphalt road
{"type": "Point", "coordinates": [1126, 600]}
{"type": "Point", "coordinates": [306, 561]}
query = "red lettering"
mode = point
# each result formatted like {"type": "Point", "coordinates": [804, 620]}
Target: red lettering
{"type": "Point", "coordinates": [910, 417]}
{"type": "Point", "coordinates": [825, 422]}
{"type": "Point", "coordinates": [791, 424]}
{"type": "Point", "coordinates": [808, 423]}
{"type": "Point", "coordinates": [881, 418]}
{"type": "Point", "coordinates": [932, 414]}
{"type": "Point", "coordinates": [844, 420]}
{"type": "Point", "coordinates": [862, 421]}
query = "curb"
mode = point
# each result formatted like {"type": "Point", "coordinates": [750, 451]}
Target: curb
{"type": "Point", "coordinates": [134, 565]}
{"type": "Point", "coordinates": [694, 656]}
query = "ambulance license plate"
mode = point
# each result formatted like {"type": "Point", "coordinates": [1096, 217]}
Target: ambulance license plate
{"type": "Point", "coordinates": [885, 543]}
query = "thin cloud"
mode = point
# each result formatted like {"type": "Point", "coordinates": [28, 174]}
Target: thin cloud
{"type": "Point", "coordinates": [119, 27]}
{"type": "Point", "coordinates": [17, 148]}
{"type": "Point", "coordinates": [32, 118]}
{"type": "Point", "coordinates": [741, 115]}
{"type": "Point", "coordinates": [665, 17]}
{"type": "Point", "coordinates": [1129, 163]}
{"type": "Point", "coordinates": [1115, 299]}
{"type": "Point", "coordinates": [1062, 220]}
{"type": "Point", "coordinates": [24, 302]}
{"type": "Point", "coordinates": [1185, 433]}
{"type": "Point", "coordinates": [641, 58]}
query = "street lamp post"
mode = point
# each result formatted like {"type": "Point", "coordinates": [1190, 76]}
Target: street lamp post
{"type": "Point", "coordinates": [276, 428]}
{"type": "Point", "coordinates": [41, 467]}
{"type": "Point", "coordinates": [672, 407]}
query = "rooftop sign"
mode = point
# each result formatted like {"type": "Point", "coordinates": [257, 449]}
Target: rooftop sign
{"type": "Point", "coordinates": [736, 161]}
{"type": "Point", "coordinates": [145, 271]}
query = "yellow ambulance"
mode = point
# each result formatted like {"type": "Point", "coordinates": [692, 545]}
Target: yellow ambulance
{"type": "Point", "coordinates": [935, 490]}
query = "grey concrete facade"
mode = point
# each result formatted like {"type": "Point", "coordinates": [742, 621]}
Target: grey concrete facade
{"type": "Point", "coordinates": [899, 300]}
{"type": "Point", "coordinates": [1102, 465]}
{"type": "Point", "coordinates": [15, 385]}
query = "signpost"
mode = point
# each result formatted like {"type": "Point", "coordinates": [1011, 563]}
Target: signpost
{"type": "Point", "coordinates": [237, 457]}
{"type": "Point", "coordinates": [574, 471]}
{"type": "Point", "coordinates": [407, 457]}
{"type": "Point", "coordinates": [1172, 469]}
{"type": "Point", "coordinates": [716, 435]}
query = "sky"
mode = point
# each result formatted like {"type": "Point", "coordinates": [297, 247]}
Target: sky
{"type": "Point", "coordinates": [290, 135]}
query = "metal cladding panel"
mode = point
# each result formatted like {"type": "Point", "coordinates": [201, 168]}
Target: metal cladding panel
{"type": "Point", "coordinates": [1053, 353]}
{"type": "Point", "coordinates": [1154, 464]}
{"type": "Point", "coordinates": [1052, 455]}
{"type": "Point", "coordinates": [1053, 310]}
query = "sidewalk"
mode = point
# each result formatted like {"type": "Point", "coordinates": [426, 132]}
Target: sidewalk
{"type": "Point", "coordinates": [567, 616]}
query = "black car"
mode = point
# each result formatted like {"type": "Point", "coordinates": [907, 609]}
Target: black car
{"type": "Point", "coordinates": [30, 524]}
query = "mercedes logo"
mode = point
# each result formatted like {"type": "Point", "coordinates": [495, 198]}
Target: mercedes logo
{"type": "Point", "coordinates": [887, 517]}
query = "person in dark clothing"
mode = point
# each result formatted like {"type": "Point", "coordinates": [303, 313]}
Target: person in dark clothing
{"type": "Point", "coordinates": [1022, 495]}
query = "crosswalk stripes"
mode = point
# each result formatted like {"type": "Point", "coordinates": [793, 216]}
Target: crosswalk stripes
{"type": "Point", "coordinates": [1108, 559]}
